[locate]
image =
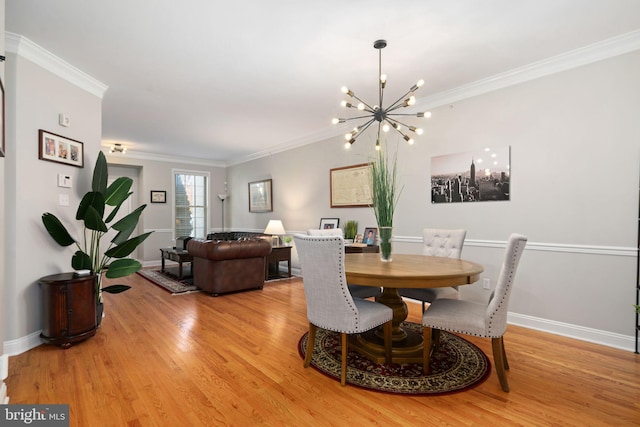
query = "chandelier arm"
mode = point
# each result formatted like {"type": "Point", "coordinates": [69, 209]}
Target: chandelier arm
{"type": "Point", "coordinates": [397, 121]}
{"type": "Point", "coordinates": [404, 114]}
{"type": "Point", "coordinates": [370, 108]}
{"type": "Point", "coordinates": [395, 105]}
{"type": "Point", "coordinates": [365, 126]}
{"type": "Point", "coordinates": [358, 117]}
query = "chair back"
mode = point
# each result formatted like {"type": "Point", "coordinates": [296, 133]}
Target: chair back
{"type": "Point", "coordinates": [498, 305]}
{"type": "Point", "coordinates": [325, 232]}
{"type": "Point", "coordinates": [443, 243]}
{"type": "Point", "coordinates": [329, 303]}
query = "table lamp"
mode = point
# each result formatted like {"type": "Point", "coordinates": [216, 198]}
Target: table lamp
{"type": "Point", "coordinates": [276, 229]}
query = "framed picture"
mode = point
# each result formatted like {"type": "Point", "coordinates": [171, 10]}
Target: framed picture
{"type": "Point", "coordinates": [329, 223]}
{"type": "Point", "coordinates": [1, 119]}
{"type": "Point", "coordinates": [369, 236]}
{"type": "Point", "coordinates": [60, 149]}
{"type": "Point", "coordinates": [351, 186]}
{"type": "Point", "coordinates": [158, 196]}
{"type": "Point", "coordinates": [260, 196]}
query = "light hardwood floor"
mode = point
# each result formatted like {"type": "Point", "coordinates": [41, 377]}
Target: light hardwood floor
{"type": "Point", "coordinates": [196, 360]}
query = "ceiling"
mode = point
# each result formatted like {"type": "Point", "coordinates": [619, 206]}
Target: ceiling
{"type": "Point", "coordinates": [224, 81]}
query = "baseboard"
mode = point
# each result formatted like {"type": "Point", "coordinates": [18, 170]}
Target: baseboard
{"type": "Point", "coordinates": [596, 336]}
{"type": "Point", "coordinates": [20, 345]}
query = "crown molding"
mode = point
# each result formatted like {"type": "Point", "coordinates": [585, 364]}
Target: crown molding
{"type": "Point", "coordinates": [35, 53]}
{"type": "Point", "coordinates": [142, 155]}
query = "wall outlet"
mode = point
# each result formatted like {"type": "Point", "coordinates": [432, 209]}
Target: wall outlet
{"type": "Point", "coordinates": [64, 120]}
{"type": "Point", "coordinates": [63, 199]}
{"type": "Point", "coordinates": [64, 180]}
{"type": "Point", "coordinates": [486, 284]}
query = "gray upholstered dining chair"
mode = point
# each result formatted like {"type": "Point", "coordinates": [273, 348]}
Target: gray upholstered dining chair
{"type": "Point", "coordinates": [442, 243]}
{"type": "Point", "coordinates": [359, 291]}
{"type": "Point", "coordinates": [488, 320]}
{"type": "Point", "coordinates": [329, 303]}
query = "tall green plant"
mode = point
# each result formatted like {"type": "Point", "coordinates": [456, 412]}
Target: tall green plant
{"type": "Point", "coordinates": [91, 211]}
{"type": "Point", "coordinates": [385, 193]}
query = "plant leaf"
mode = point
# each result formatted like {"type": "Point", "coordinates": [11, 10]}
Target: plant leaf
{"type": "Point", "coordinates": [56, 230]}
{"type": "Point", "coordinates": [124, 249]}
{"type": "Point", "coordinates": [116, 289]}
{"type": "Point", "coordinates": [93, 220]}
{"type": "Point", "coordinates": [118, 191]}
{"type": "Point", "coordinates": [122, 267]}
{"type": "Point", "coordinates": [81, 261]}
{"type": "Point", "coordinates": [94, 199]}
{"type": "Point", "coordinates": [123, 235]}
{"type": "Point", "coordinates": [113, 213]}
{"type": "Point", "coordinates": [131, 220]}
{"type": "Point", "coordinates": [100, 175]}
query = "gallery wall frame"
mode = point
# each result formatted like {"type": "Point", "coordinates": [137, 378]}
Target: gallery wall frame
{"type": "Point", "coordinates": [60, 149]}
{"type": "Point", "coordinates": [261, 196]}
{"type": "Point", "coordinates": [158, 196]}
{"type": "Point", "coordinates": [481, 175]}
{"type": "Point", "coordinates": [350, 186]}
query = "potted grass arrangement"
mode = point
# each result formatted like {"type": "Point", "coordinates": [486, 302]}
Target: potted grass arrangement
{"type": "Point", "coordinates": [385, 195]}
{"type": "Point", "coordinates": [350, 230]}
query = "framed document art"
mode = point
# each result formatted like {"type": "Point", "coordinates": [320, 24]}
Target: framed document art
{"type": "Point", "coordinates": [351, 186]}
{"type": "Point", "coordinates": [260, 196]}
{"type": "Point", "coordinates": [158, 196]}
{"type": "Point", "coordinates": [329, 223]}
{"type": "Point", "coordinates": [60, 149]}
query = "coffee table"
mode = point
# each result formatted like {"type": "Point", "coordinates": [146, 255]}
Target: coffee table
{"type": "Point", "coordinates": [177, 255]}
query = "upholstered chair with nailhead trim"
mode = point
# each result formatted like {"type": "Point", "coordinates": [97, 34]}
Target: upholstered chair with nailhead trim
{"type": "Point", "coordinates": [487, 320]}
{"type": "Point", "coordinates": [329, 303]}
{"type": "Point", "coordinates": [442, 243]}
{"type": "Point", "coordinates": [359, 291]}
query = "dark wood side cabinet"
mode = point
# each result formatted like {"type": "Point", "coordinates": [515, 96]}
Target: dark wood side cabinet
{"type": "Point", "coordinates": [68, 308]}
{"type": "Point", "coordinates": [369, 249]}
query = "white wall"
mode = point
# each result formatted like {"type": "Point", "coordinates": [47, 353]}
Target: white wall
{"type": "Point", "coordinates": [574, 180]}
{"type": "Point", "coordinates": [36, 97]}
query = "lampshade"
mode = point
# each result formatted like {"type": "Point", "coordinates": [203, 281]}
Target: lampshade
{"type": "Point", "coordinates": [274, 227]}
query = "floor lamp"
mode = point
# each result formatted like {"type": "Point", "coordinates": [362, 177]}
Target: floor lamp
{"type": "Point", "coordinates": [222, 196]}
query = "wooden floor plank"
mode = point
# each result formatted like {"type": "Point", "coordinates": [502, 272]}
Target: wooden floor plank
{"type": "Point", "coordinates": [160, 360]}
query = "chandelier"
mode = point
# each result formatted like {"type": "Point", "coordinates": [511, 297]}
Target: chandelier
{"type": "Point", "coordinates": [378, 113]}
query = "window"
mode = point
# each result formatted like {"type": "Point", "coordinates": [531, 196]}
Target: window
{"type": "Point", "coordinates": [191, 203]}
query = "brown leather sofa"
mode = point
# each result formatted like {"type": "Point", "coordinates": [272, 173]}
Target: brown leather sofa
{"type": "Point", "coordinates": [224, 266]}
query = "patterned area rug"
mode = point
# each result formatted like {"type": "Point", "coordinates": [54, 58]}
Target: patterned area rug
{"type": "Point", "coordinates": [169, 281]}
{"type": "Point", "coordinates": [458, 365]}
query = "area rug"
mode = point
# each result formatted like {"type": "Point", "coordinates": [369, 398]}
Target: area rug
{"type": "Point", "coordinates": [456, 366]}
{"type": "Point", "coordinates": [169, 281]}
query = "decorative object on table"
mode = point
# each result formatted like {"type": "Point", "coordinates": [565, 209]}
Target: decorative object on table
{"type": "Point", "coordinates": [288, 240]}
{"type": "Point", "coordinates": [276, 229]}
{"type": "Point", "coordinates": [385, 198]}
{"type": "Point", "coordinates": [222, 197]}
{"type": "Point", "coordinates": [350, 230]}
{"type": "Point", "coordinates": [91, 211]}
{"type": "Point", "coordinates": [369, 236]}
{"type": "Point", "coordinates": [168, 280]}
{"type": "Point", "coordinates": [260, 196]}
{"type": "Point", "coordinates": [458, 365]}
{"type": "Point", "coordinates": [383, 115]}
{"type": "Point", "coordinates": [1, 119]}
{"type": "Point", "coordinates": [328, 223]}
{"type": "Point", "coordinates": [479, 319]}
{"type": "Point", "coordinates": [60, 149]}
{"type": "Point", "coordinates": [473, 176]}
{"type": "Point", "coordinates": [349, 186]}
{"type": "Point", "coordinates": [158, 196]}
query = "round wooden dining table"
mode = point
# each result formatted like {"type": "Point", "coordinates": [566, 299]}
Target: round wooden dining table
{"type": "Point", "coordinates": [405, 271]}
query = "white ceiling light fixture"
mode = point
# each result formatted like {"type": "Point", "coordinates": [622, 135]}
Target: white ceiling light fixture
{"type": "Point", "coordinates": [382, 115]}
{"type": "Point", "coordinates": [117, 148]}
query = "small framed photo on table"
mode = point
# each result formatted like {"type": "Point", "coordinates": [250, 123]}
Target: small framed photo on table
{"type": "Point", "coordinates": [158, 196]}
{"type": "Point", "coordinates": [369, 236]}
{"type": "Point", "coordinates": [329, 223]}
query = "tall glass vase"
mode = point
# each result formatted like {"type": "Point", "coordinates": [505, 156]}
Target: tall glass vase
{"type": "Point", "coordinates": [385, 243]}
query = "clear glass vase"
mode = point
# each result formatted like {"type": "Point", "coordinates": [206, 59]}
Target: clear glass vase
{"type": "Point", "coordinates": [385, 243]}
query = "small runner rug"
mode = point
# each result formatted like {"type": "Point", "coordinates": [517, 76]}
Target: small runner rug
{"type": "Point", "coordinates": [169, 281]}
{"type": "Point", "coordinates": [456, 366]}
